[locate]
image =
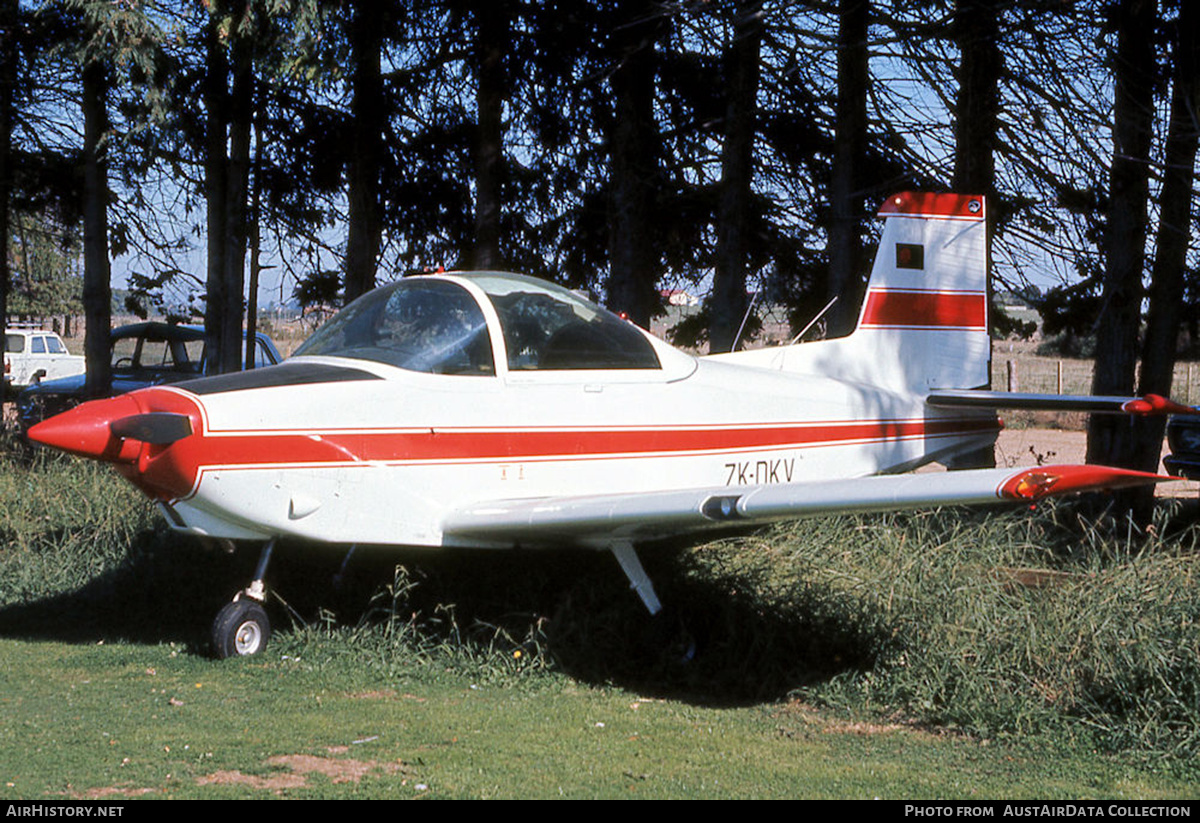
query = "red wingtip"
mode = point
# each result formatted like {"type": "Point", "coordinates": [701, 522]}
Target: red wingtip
{"type": "Point", "coordinates": [86, 430]}
{"type": "Point", "coordinates": [1045, 481]}
{"type": "Point", "coordinates": [1155, 404]}
{"type": "Point", "coordinates": [1166, 405]}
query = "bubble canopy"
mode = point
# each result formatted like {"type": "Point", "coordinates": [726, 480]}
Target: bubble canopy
{"type": "Point", "coordinates": [435, 324]}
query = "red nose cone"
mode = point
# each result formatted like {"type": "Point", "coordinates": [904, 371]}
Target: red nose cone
{"type": "Point", "coordinates": [86, 430]}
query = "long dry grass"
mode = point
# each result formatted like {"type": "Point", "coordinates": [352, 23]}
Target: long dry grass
{"type": "Point", "coordinates": [1024, 622]}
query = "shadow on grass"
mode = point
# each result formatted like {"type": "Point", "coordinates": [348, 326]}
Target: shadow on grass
{"type": "Point", "coordinates": [159, 594]}
{"type": "Point", "coordinates": [717, 642]}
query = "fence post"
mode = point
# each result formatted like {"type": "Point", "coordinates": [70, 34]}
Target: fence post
{"type": "Point", "coordinates": [1058, 377]}
{"type": "Point", "coordinates": [1012, 375]}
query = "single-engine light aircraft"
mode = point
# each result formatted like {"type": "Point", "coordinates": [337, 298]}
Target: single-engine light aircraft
{"type": "Point", "coordinates": [482, 409]}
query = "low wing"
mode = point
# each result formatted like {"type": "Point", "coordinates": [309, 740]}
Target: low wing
{"type": "Point", "coordinates": [980, 399]}
{"type": "Point", "coordinates": [629, 517]}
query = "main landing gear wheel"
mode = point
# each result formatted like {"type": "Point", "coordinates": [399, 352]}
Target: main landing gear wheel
{"type": "Point", "coordinates": [241, 628]}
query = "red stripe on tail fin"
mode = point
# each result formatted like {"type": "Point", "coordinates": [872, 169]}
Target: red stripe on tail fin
{"type": "Point", "coordinates": [929, 204]}
{"type": "Point", "coordinates": [925, 309]}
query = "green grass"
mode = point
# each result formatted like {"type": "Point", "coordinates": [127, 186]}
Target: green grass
{"type": "Point", "coordinates": [153, 721]}
{"type": "Point", "coordinates": [1047, 654]}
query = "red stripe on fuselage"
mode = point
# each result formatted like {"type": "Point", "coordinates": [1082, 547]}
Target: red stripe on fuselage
{"type": "Point", "coordinates": [175, 470]}
{"type": "Point", "coordinates": [925, 309]}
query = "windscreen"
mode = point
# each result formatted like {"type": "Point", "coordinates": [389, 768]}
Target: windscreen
{"type": "Point", "coordinates": [423, 325]}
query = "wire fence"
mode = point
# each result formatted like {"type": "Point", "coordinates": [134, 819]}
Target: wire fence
{"type": "Point", "coordinates": [1045, 375]}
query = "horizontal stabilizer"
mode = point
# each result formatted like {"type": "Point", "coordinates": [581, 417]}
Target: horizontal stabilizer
{"type": "Point", "coordinates": [978, 399]}
{"type": "Point", "coordinates": [595, 518]}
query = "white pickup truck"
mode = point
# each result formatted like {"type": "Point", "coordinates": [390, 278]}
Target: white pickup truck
{"type": "Point", "coordinates": [34, 354]}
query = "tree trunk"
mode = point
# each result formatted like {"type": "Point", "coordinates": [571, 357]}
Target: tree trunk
{"type": "Point", "coordinates": [491, 42]}
{"type": "Point", "coordinates": [9, 12]}
{"type": "Point", "coordinates": [216, 184]}
{"type": "Point", "coordinates": [254, 239]}
{"type": "Point", "coordinates": [846, 269]}
{"type": "Point", "coordinates": [728, 308]}
{"type": "Point", "coordinates": [976, 30]}
{"type": "Point", "coordinates": [1109, 439]}
{"type": "Point", "coordinates": [241, 111]}
{"type": "Point", "coordinates": [368, 110]}
{"type": "Point", "coordinates": [226, 166]}
{"type": "Point", "coordinates": [97, 291]}
{"type": "Point", "coordinates": [634, 151]}
{"type": "Point", "coordinates": [1174, 235]}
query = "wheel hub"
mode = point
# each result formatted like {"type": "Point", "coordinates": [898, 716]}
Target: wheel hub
{"type": "Point", "coordinates": [248, 638]}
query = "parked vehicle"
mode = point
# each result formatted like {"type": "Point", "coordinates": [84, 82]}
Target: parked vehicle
{"type": "Point", "coordinates": [1183, 436]}
{"type": "Point", "coordinates": [143, 354]}
{"type": "Point", "coordinates": [32, 354]}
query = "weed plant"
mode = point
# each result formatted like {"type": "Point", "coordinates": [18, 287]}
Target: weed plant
{"type": "Point", "coordinates": [1054, 620]}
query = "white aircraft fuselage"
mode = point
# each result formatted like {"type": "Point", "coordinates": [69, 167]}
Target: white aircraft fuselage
{"type": "Point", "coordinates": [385, 458]}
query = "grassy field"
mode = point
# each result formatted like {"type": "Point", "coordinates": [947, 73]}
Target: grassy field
{"type": "Point", "coordinates": [1047, 654]}
{"type": "Point", "coordinates": [124, 721]}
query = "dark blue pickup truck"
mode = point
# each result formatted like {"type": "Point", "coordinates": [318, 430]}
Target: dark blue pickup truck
{"type": "Point", "coordinates": [143, 354]}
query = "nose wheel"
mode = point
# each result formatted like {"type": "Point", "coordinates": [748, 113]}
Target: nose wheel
{"type": "Point", "coordinates": [242, 627]}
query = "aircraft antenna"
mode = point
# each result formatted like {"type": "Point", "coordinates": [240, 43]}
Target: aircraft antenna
{"type": "Point", "coordinates": [745, 317]}
{"type": "Point", "coordinates": [812, 322]}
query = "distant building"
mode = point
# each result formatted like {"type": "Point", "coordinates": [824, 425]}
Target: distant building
{"type": "Point", "coordinates": [679, 297]}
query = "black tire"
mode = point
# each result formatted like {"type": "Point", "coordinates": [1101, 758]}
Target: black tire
{"type": "Point", "coordinates": [240, 629]}
{"type": "Point", "coordinates": [667, 635]}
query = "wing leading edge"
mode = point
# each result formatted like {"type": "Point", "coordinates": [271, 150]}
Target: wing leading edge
{"type": "Point", "coordinates": [597, 519]}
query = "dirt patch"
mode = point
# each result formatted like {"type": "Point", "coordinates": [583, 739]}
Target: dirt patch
{"type": "Point", "coordinates": [111, 791]}
{"type": "Point", "coordinates": [299, 768]}
{"type": "Point", "coordinates": [275, 783]}
{"type": "Point", "coordinates": [339, 771]}
{"type": "Point", "coordinates": [823, 724]}
{"type": "Point", "coordinates": [1035, 447]}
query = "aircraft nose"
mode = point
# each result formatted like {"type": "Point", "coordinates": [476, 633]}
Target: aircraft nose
{"type": "Point", "coordinates": [111, 430]}
{"type": "Point", "coordinates": [86, 430]}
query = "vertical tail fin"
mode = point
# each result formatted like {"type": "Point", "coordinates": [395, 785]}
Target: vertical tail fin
{"type": "Point", "coordinates": [924, 321]}
{"type": "Point", "coordinates": [927, 297]}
